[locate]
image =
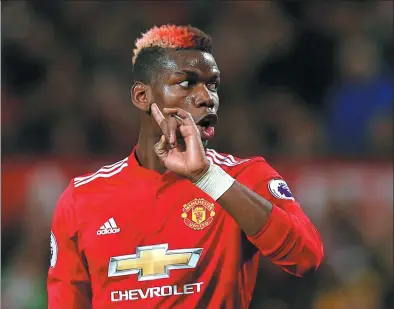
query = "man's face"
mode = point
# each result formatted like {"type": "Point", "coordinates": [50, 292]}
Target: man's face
{"type": "Point", "coordinates": [190, 80]}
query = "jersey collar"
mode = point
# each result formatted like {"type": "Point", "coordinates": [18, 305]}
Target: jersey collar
{"type": "Point", "coordinates": [135, 166]}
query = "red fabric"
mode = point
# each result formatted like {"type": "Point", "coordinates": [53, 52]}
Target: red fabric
{"type": "Point", "coordinates": [69, 281]}
{"type": "Point", "coordinates": [289, 239]}
{"type": "Point", "coordinates": [152, 209]}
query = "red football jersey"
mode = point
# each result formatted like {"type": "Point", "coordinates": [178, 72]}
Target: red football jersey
{"type": "Point", "coordinates": [129, 237]}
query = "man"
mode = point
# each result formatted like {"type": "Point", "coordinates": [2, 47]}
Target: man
{"type": "Point", "coordinates": [175, 225]}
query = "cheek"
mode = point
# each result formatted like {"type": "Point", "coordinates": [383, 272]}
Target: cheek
{"type": "Point", "coordinates": [174, 98]}
{"type": "Point", "coordinates": [188, 100]}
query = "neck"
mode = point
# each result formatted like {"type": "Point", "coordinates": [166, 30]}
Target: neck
{"type": "Point", "coordinates": [145, 152]}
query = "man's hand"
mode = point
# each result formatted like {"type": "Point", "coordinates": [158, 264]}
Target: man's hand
{"type": "Point", "coordinates": [190, 163]}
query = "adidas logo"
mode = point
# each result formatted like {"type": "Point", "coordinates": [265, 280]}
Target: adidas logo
{"type": "Point", "coordinates": [109, 227]}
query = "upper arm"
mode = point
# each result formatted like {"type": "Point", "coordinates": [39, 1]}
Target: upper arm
{"type": "Point", "coordinates": [68, 281]}
{"type": "Point", "coordinates": [261, 178]}
{"type": "Point", "coordinates": [269, 184]}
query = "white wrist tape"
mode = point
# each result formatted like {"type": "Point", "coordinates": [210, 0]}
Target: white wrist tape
{"type": "Point", "coordinates": [215, 182]}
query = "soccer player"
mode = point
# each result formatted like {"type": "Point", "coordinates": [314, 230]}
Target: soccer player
{"type": "Point", "coordinates": [175, 224]}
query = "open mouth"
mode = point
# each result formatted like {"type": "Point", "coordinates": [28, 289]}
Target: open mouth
{"type": "Point", "coordinates": [206, 126]}
{"type": "Point", "coordinates": [209, 120]}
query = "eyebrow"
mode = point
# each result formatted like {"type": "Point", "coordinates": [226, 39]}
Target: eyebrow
{"type": "Point", "coordinates": [195, 74]}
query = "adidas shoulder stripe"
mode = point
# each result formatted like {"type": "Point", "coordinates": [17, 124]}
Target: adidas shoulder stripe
{"type": "Point", "coordinates": [228, 160]}
{"type": "Point", "coordinates": [104, 172]}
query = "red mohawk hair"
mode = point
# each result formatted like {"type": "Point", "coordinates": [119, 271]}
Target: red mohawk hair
{"type": "Point", "coordinates": [168, 37]}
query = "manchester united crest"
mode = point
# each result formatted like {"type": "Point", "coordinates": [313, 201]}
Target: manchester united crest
{"type": "Point", "coordinates": [198, 213]}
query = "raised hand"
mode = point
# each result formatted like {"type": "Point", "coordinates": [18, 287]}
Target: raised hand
{"type": "Point", "coordinates": [191, 162]}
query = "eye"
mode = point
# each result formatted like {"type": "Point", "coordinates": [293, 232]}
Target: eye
{"type": "Point", "coordinates": [185, 84]}
{"type": "Point", "coordinates": [213, 86]}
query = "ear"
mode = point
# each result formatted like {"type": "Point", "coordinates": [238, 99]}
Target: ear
{"type": "Point", "coordinates": [140, 96]}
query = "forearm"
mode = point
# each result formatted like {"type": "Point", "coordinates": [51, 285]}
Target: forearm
{"type": "Point", "coordinates": [285, 235]}
{"type": "Point", "coordinates": [249, 210]}
{"type": "Point", "coordinates": [289, 240]}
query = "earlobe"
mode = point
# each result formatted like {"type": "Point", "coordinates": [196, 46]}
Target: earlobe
{"type": "Point", "coordinates": [140, 96]}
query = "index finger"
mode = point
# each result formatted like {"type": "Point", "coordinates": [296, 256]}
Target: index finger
{"type": "Point", "coordinates": [157, 114]}
{"type": "Point", "coordinates": [185, 116]}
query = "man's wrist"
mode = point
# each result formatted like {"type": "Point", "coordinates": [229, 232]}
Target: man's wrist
{"type": "Point", "coordinates": [201, 174]}
{"type": "Point", "coordinates": [215, 182]}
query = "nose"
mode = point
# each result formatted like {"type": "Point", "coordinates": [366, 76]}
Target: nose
{"type": "Point", "coordinates": [203, 97]}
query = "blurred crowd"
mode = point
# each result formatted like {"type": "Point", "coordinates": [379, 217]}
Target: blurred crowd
{"type": "Point", "coordinates": [301, 81]}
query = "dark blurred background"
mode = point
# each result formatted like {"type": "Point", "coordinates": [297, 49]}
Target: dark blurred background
{"type": "Point", "coordinates": [308, 85]}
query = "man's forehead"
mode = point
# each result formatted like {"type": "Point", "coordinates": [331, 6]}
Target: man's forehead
{"type": "Point", "coordinates": [191, 59]}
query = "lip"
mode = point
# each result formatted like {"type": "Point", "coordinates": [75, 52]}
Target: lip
{"type": "Point", "coordinates": [208, 120]}
{"type": "Point", "coordinates": [206, 125]}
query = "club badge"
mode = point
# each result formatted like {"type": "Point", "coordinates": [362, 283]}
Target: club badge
{"type": "Point", "coordinates": [198, 213]}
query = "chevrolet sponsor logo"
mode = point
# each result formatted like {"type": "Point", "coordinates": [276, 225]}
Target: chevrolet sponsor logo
{"type": "Point", "coordinates": [153, 262]}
